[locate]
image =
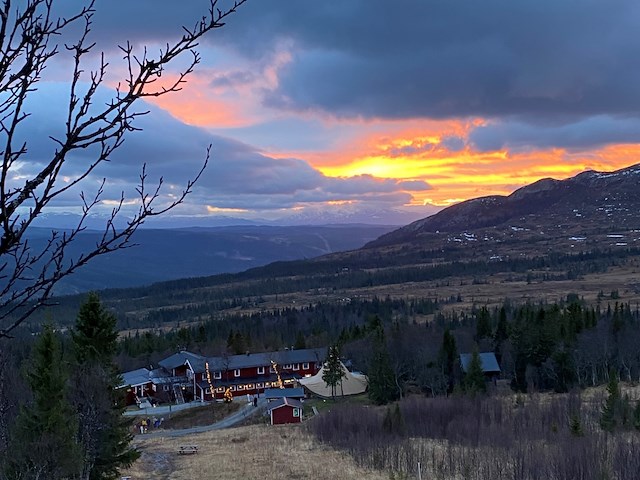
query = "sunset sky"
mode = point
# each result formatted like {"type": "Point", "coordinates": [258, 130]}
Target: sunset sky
{"type": "Point", "coordinates": [377, 109]}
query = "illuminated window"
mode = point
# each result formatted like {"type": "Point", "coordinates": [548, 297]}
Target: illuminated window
{"type": "Point", "coordinates": [236, 372]}
{"type": "Point", "coordinates": [305, 366]}
{"type": "Point", "coordinates": [240, 387]}
{"type": "Point", "coordinates": [267, 384]}
{"type": "Point", "coordinates": [250, 386]}
{"type": "Point", "coordinates": [220, 389]}
{"type": "Point", "coordinates": [260, 370]}
{"type": "Point", "coordinates": [259, 385]}
{"type": "Point", "coordinates": [232, 388]}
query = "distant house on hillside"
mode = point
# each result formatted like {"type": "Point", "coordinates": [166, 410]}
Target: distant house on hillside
{"type": "Point", "coordinates": [489, 363]}
{"type": "Point", "coordinates": [285, 410]}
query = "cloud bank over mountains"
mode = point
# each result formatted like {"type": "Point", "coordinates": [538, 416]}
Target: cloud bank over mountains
{"type": "Point", "coordinates": [370, 104]}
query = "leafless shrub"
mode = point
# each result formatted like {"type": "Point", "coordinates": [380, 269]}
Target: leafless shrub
{"type": "Point", "coordinates": [484, 438]}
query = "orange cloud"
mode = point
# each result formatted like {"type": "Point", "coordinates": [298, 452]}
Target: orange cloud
{"type": "Point", "coordinates": [417, 150]}
{"type": "Point", "coordinates": [197, 104]}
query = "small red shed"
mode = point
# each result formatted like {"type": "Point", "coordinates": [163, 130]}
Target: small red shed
{"type": "Point", "coordinates": [285, 410]}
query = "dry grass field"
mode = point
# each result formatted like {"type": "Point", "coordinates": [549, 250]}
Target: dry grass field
{"type": "Point", "coordinates": [258, 452]}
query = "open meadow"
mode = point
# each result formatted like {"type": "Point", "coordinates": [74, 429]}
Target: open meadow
{"type": "Point", "coordinates": [256, 452]}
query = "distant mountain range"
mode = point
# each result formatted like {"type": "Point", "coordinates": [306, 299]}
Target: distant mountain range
{"type": "Point", "coordinates": [591, 210]}
{"type": "Point", "coordinates": [166, 254]}
{"type": "Point", "coordinates": [549, 230]}
{"type": "Point", "coordinates": [348, 214]}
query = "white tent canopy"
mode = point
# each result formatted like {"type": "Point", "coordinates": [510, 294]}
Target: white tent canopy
{"type": "Point", "coordinates": [352, 383]}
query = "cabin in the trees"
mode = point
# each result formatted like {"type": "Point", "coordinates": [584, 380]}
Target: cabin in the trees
{"type": "Point", "coordinates": [285, 410]}
{"type": "Point", "coordinates": [188, 376]}
{"type": "Point", "coordinates": [488, 361]}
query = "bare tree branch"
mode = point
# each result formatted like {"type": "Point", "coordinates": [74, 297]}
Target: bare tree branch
{"type": "Point", "coordinates": [29, 274]}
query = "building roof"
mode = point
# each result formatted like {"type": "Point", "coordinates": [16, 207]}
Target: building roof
{"type": "Point", "coordinates": [488, 361]}
{"type": "Point", "coordinates": [178, 359]}
{"type": "Point", "coordinates": [282, 357]}
{"type": "Point", "coordinates": [135, 378]}
{"type": "Point", "coordinates": [286, 401]}
{"type": "Point", "coordinates": [274, 393]}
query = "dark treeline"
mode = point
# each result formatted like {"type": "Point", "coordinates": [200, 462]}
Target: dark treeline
{"type": "Point", "coordinates": [539, 346]}
{"type": "Point", "coordinates": [484, 438]}
{"type": "Point", "coordinates": [314, 325]}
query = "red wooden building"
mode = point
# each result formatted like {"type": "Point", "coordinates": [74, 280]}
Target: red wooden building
{"type": "Point", "coordinates": [285, 410]}
{"type": "Point", "coordinates": [189, 376]}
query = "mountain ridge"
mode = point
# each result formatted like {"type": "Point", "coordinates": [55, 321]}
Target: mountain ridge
{"type": "Point", "coordinates": [589, 195]}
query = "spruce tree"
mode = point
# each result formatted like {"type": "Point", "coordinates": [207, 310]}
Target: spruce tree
{"type": "Point", "coordinates": [104, 432]}
{"type": "Point", "coordinates": [575, 425]}
{"type": "Point", "coordinates": [636, 416]}
{"type": "Point", "coordinates": [609, 415]}
{"type": "Point", "coordinates": [382, 388]}
{"type": "Point", "coordinates": [447, 357]}
{"type": "Point", "coordinates": [483, 324]}
{"type": "Point", "coordinates": [473, 381]}
{"type": "Point", "coordinates": [43, 442]}
{"type": "Point", "coordinates": [333, 372]}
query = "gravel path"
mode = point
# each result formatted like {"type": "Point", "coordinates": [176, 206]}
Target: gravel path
{"type": "Point", "coordinates": [238, 416]}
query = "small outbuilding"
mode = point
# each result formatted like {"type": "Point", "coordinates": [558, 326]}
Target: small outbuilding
{"type": "Point", "coordinates": [273, 394]}
{"type": "Point", "coordinates": [488, 361]}
{"type": "Point", "coordinates": [285, 410]}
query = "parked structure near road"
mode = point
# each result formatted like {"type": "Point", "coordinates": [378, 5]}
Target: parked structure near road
{"type": "Point", "coordinates": [186, 376]}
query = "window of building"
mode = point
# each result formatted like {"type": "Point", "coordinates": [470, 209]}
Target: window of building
{"type": "Point", "coordinates": [166, 388]}
{"type": "Point", "coordinates": [260, 370]}
{"type": "Point", "coordinates": [250, 386]}
{"type": "Point", "coordinates": [305, 366]}
{"type": "Point", "coordinates": [296, 366]}
{"type": "Point", "coordinates": [236, 372]}
{"type": "Point", "coordinates": [217, 375]}
{"type": "Point", "coordinates": [232, 388]}
{"type": "Point", "coordinates": [207, 391]}
{"type": "Point", "coordinates": [220, 389]}
{"type": "Point", "coordinates": [288, 366]}
{"type": "Point", "coordinates": [259, 385]}
{"type": "Point", "coordinates": [296, 412]}
{"type": "Point", "coordinates": [267, 384]}
{"type": "Point", "coordinates": [240, 387]}
{"type": "Point", "coordinates": [271, 369]}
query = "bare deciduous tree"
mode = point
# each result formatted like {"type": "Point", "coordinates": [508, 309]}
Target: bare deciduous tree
{"type": "Point", "coordinates": [27, 45]}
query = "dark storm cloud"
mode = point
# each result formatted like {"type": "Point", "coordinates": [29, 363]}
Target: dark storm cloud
{"type": "Point", "coordinates": [408, 58]}
{"type": "Point", "coordinates": [416, 58]}
{"type": "Point", "coordinates": [583, 134]}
